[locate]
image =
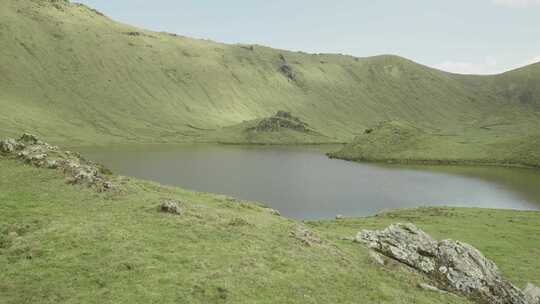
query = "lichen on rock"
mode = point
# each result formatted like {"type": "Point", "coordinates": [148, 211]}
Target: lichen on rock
{"type": "Point", "coordinates": [31, 150]}
{"type": "Point", "coordinates": [532, 293]}
{"type": "Point", "coordinates": [455, 266]}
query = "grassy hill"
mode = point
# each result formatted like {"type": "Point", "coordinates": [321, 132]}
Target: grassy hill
{"type": "Point", "coordinates": [73, 75]}
{"type": "Point", "coordinates": [506, 143]}
{"type": "Point", "coordinates": [61, 243]}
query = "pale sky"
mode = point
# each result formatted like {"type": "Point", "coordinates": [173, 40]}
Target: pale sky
{"type": "Point", "coordinates": [461, 36]}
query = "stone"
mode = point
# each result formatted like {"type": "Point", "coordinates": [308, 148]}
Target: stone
{"type": "Point", "coordinates": [339, 217]}
{"type": "Point", "coordinates": [431, 288]}
{"type": "Point", "coordinates": [37, 159]}
{"type": "Point", "coordinates": [8, 146]}
{"type": "Point", "coordinates": [532, 293]}
{"type": "Point", "coordinates": [405, 243]}
{"type": "Point", "coordinates": [29, 149]}
{"type": "Point", "coordinates": [29, 139]}
{"type": "Point", "coordinates": [288, 71]}
{"type": "Point", "coordinates": [304, 235]}
{"type": "Point", "coordinates": [376, 258]}
{"type": "Point", "coordinates": [85, 173]}
{"type": "Point", "coordinates": [169, 206]}
{"type": "Point", "coordinates": [52, 164]}
{"type": "Point", "coordinates": [456, 267]}
{"type": "Point", "coordinates": [274, 212]}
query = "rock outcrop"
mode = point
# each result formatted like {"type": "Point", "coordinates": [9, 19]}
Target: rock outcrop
{"type": "Point", "coordinates": [454, 266]}
{"type": "Point", "coordinates": [29, 149]}
{"type": "Point", "coordinates": [282, 120]}
{"type": "Point", "coordinates": [305, 236]}
{"type": "Point", "coordinates": [532, 293]}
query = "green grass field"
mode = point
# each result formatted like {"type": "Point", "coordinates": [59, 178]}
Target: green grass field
{"type": "Point", "coordinates": [67, 244]}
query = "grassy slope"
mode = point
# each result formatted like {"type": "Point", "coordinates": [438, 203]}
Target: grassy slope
{"type": "Point", "coordinates": [500, 142]}
{"type": "Point", "coordinates": [72, 75]}
{"type": "Point", "coordinates": [66, 244]}
{"type": "Point", "coordinates": [503, 137]}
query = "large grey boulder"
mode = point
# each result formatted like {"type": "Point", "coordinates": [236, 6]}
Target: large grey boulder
{"type": "Point", "coordinates": [532, 293]}
{"type": "Point", "coordinates": [455, 267]}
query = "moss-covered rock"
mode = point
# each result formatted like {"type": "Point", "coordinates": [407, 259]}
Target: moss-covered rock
{"type": "Point", "coordinates": [282, 120]}
{"type": "Point", "coordinates": [29, 149]}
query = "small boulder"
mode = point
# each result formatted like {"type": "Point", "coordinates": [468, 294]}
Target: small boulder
{"type": "Point", "coordinates": [29, 139]}
{"type": "Point", "coordinates": [7, 146]}
{"type": "Point", "coordinates": [172, 207]}
{"type": "Point", "coordinates": [52, 164]}
{"type": "Point", "coordinates": [107, 185]}
{"type": "Point", "coordinates": [274, 212]}
{"type": "Point", "coordinates": [376, 258]}
{"type": "Point", "coordinates": [85, 174]}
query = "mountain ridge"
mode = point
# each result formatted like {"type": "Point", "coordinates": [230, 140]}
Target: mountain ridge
{"type": "Point", "coordinates": [71, 74]}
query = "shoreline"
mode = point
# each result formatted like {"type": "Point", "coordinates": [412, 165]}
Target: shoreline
{"type": "Point", "coordinates": [436, 162]}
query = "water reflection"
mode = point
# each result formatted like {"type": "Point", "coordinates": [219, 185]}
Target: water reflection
{"type": "Point", "coordinates": [303, 183]}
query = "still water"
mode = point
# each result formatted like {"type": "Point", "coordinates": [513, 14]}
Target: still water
{"type": "Point", "coordinates": [303, 183]}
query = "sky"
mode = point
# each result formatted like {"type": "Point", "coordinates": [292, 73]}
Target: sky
{"type": "Point", "coordinates": [461, 36]}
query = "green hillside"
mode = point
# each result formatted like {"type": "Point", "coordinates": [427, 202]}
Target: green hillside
{"type": "Point", "coordinates": [506, 142]}
{"type": "Point", "coordinates": [73, 75]}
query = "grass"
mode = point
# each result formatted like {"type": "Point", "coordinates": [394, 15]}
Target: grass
{"type": "Point", "coordinates": [497, 143]}
{"type": "Point", "coordinates": [77, 77]}
{"type": "Point", "coordinates": [67, 244]}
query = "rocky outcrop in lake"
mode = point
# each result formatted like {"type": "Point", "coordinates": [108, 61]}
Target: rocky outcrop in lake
{"type": "Point", "coordinates": [282, 120]}
{"type": "Point", "coordinates": [453, 266]}
{"type": "Point", "coordinates": [29, 149]}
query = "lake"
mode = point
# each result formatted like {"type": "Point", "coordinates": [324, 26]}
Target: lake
{"type": "Point", "coordinates": [302, 183]}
